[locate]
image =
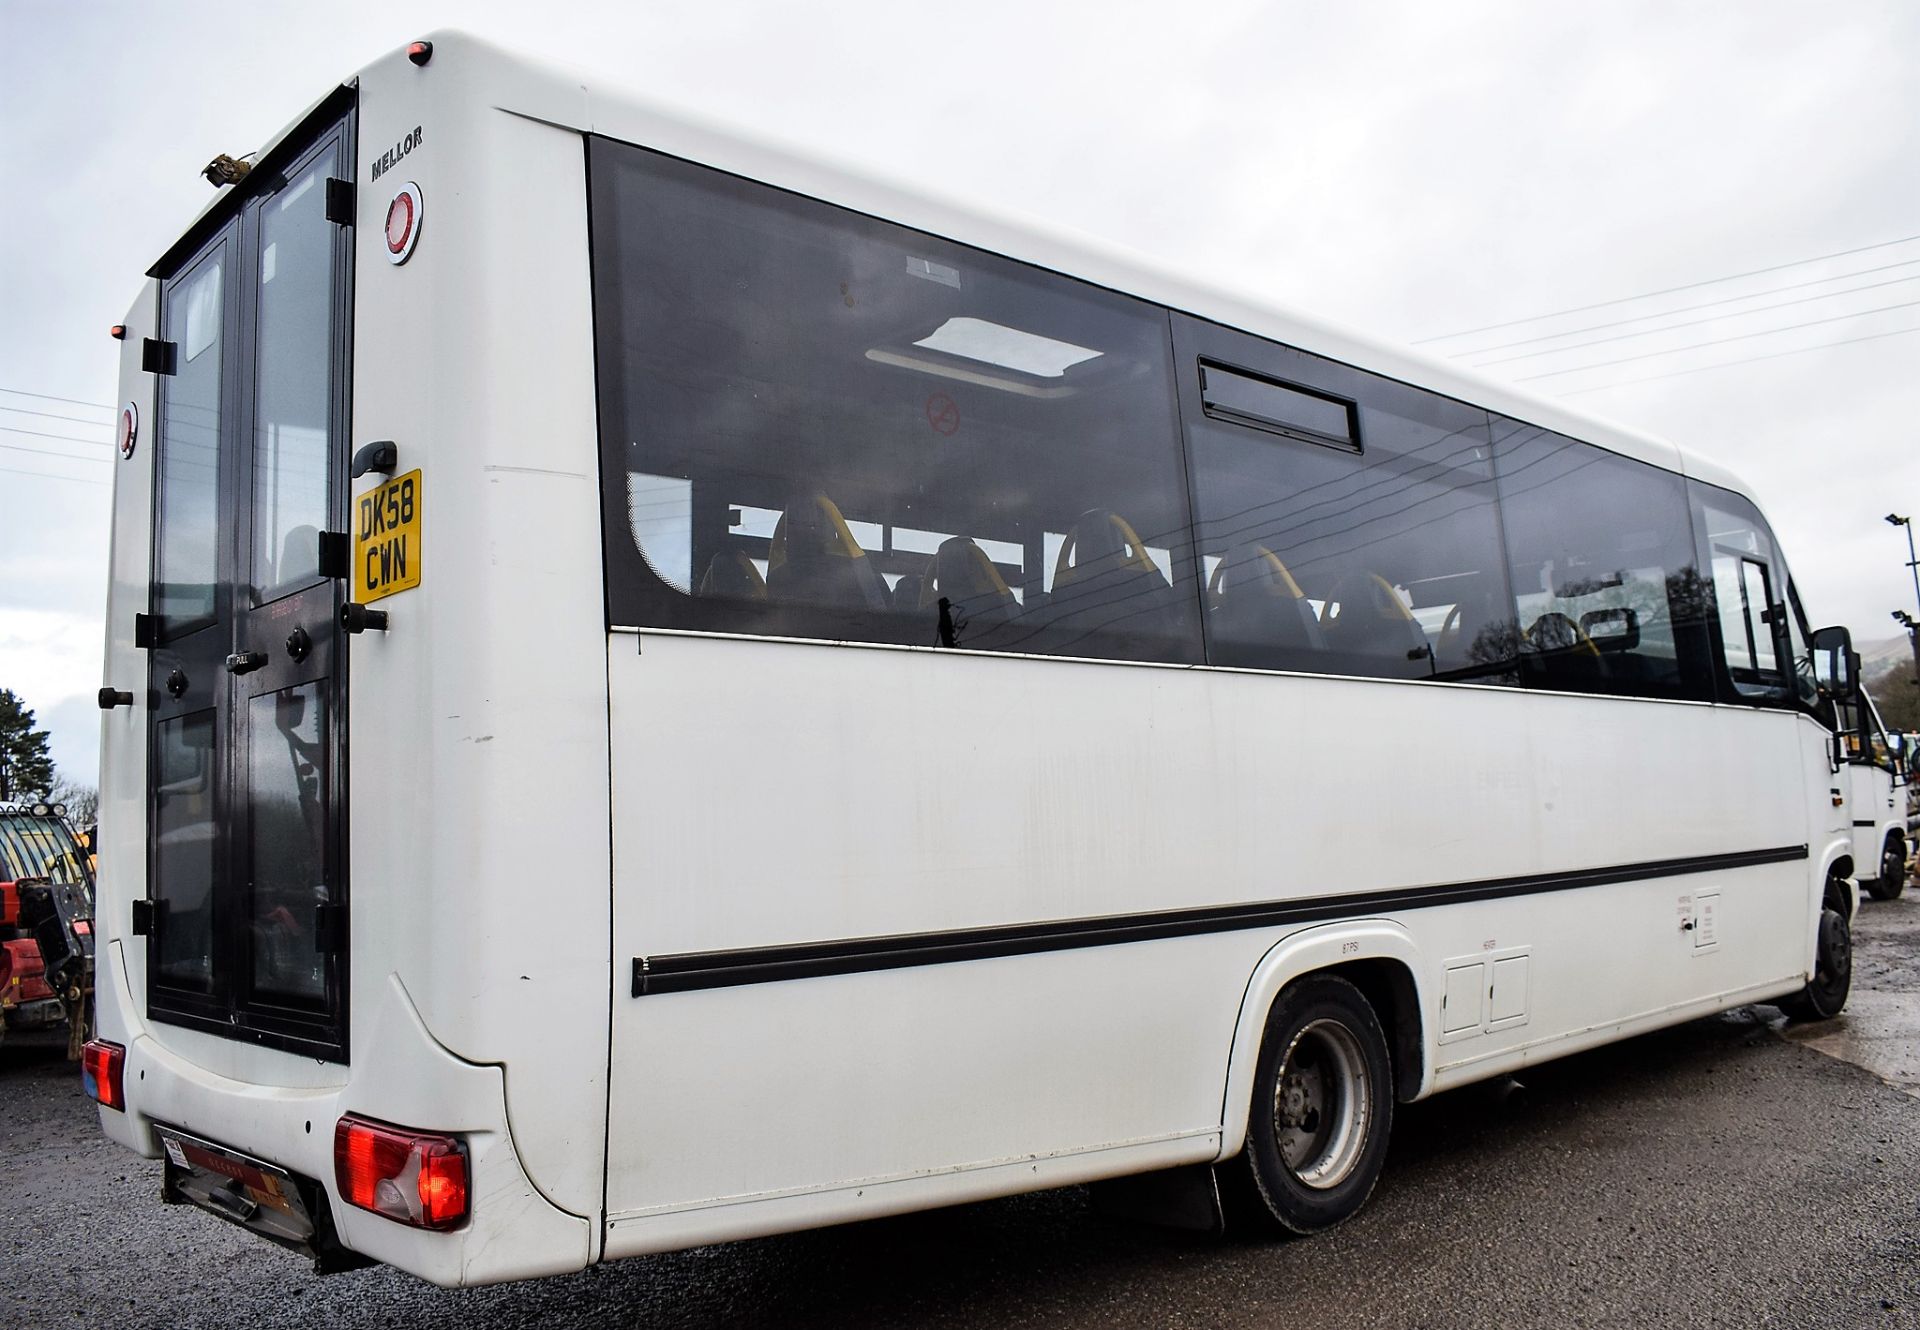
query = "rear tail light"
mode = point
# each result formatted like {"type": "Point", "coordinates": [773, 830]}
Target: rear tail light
{"type": "Point", "coordinates": [418, 1178]}
{"type": "Point", "coordinates": [103, 1071]}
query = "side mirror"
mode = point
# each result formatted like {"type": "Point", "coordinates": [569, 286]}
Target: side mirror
{"type": "Point", "coordinates": [1836, 666]}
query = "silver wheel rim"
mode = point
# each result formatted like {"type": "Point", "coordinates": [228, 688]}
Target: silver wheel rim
{"type": "Point", "coordinates": [1322, 1104]}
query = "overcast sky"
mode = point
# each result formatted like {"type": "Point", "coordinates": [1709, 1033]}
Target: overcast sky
{"type": "Point", "coordinates": [1411, 169]}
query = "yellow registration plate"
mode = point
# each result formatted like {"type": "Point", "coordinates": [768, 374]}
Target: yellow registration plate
{"type": "Point", "coordinates": [386, 538]}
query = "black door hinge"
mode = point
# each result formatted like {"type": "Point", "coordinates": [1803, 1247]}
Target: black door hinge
{"type": "Point", "coordinates": [329, 927]}
{"type": "Point", "coordinates": [143, 635]}
{"type": "Point", "coordinates": [158, 357]}
{"type": "Point", "coordinates": [146, 913]}
{"type": "Point", "coordinates": [340, 202]}
{"type": "Point", "coordinates": [336, 560]}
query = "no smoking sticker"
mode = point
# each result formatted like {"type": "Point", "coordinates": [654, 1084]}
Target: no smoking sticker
{"type": "Point", "coordinates": [943, 413]}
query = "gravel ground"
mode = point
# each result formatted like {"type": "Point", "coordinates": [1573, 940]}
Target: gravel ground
{"type": "Point", "coordinates": [1711, 1175]}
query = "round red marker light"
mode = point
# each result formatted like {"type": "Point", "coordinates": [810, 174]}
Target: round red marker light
{"type": "Point", "coordinates": [129, 428]}
{"type": "Point", "coordinates": [399, 222]}
{"type": "Point", "coordinates": [403, 223]}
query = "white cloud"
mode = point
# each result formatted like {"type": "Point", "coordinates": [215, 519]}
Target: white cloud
{"type": "Point", "coordinates": [51, 660]}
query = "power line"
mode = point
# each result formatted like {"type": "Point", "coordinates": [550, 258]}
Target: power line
{"type": "Point", "coordinates": [48, 452]}
{"type": "Point", "coordinates": [45, 475]}
{"type": "Point", "coordinates": [1694, 323]}
{"type": "Point", "coordinates": [1666, 291]}
{"type": "Point", "coordinates": [1719, 341]}
{"type": "Point", "coordinates": [1748, 360]}
{"type": "Point", "coordinates": [65, 438]}
{"type": "Point", "coordinates": [49, 397]}
{"type": "Point", "coordinates": [1686, 309]}
{"type": "Point", "coordinates": [48, 415]}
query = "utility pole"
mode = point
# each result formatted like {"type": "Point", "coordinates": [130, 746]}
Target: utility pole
{"type": "Point", "coordinates": [1907, 621]}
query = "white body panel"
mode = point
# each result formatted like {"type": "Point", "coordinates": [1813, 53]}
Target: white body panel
{"type": "Point", "coordinates": [1876, 797]}
{"type": "Point", "coordinates": [1017, 797]}
{"type": "Point", "coordinates": [535, 801]}
{"type": "Point", "coordinates": [1879, 807]}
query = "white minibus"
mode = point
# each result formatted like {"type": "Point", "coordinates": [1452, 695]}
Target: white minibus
{"type": "Point", "coordinates": [658, 691]}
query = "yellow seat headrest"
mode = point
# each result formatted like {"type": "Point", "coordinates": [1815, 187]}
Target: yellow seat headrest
{"type": "Point", "coordinates": [825, 530]}
{"type": "Point", "coordinates": [1264, 569]}
{"type": "Point", "coordinates": [1377, 593]}
{"type": "Point", "coordinates": [961, 570]}
{"type": "Point", "coordinates": [732, 573]}
{"type": "Point", "coordinates": [1098, 528]}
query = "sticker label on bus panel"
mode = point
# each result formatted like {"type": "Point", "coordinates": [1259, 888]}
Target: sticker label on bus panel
{"type": "Point", "coordinates": [386, 538]}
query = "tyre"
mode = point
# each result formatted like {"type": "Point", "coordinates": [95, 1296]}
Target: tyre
{"type": "Point", "coordinates": [1893, 872]}
{"type": "Point", "coordinates": [1322, 1107]}
{"type": "Point", "coordinates": [1824, 997]}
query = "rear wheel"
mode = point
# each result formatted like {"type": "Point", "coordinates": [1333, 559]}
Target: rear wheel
{"type": "Point", "coordinates": [1826, 995]}
{"type": "Point", "coordinates": [1893, 871]}
{"type": "Point", "coordinates": [1322, 1107]}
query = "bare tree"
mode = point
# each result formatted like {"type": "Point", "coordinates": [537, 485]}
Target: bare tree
{"type": "Point", "coordinates": [82, 801]}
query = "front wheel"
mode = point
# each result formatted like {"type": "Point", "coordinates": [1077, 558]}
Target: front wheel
{"type": "Point", "coordinates": [1825, 997]}
{"type": "Point", "coordinates": [1322, 1106]}
{"type": "Point", "coordinates": [1893, 872]}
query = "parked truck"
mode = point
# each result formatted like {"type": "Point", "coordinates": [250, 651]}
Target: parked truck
{"type": "Point", "coordinates": [46, 923]}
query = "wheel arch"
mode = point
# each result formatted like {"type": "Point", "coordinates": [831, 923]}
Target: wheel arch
{"type": "Point", "coordinates": [1838, 889]}
{"type": "Point", "coordinates": [1839, 863]}
{"type": "Point", "coordinates": [1379, 958]}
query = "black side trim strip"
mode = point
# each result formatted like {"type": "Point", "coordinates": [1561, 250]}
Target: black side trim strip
{"type": "Point", "coordinates": [1867, 823]}
{"type": "Point", "coordinates": [691, 970]}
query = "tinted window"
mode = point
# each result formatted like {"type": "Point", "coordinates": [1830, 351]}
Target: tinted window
{"type": "Point", "coordinates": [1605, 578]}
{"type": "Point", "coordinates": [1386, 563]}
{"type": "Point", "coordinates": [821, 425]}
{"type": "Point", "coordinates": [293, 385]}
{"type": "Point", "coordinates": [1247, 399]}
{"type": "Point", "coordinates": [183, 845]}
{"type": "Point", "coordinates": [189, 482]}
{"type": "Point", "coordinates": [1806, 687]}
{"type": "Point", "coordinates": [1748, 585]}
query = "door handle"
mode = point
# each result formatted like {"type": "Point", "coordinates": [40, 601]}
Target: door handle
{"type": "Point", "coordinates": [245, 662]}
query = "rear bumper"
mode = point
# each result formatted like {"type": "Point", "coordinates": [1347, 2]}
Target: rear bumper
{"type": "Point", "coordinates": [35, 1015]}
{"type": "Point", "coordinates": [400, 1074]}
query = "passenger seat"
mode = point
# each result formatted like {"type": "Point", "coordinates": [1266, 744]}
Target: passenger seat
{"type": "Point", "coordinates": [978, 596]}
{"type": "Point", "coordinates": [1365, 617]}
{"type": "Point", "coordinates": [731, 573]}
{"type": "Point", "coordinates": [814, 558]}
{"type": "Point", "coordinates": [1258, 611]}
